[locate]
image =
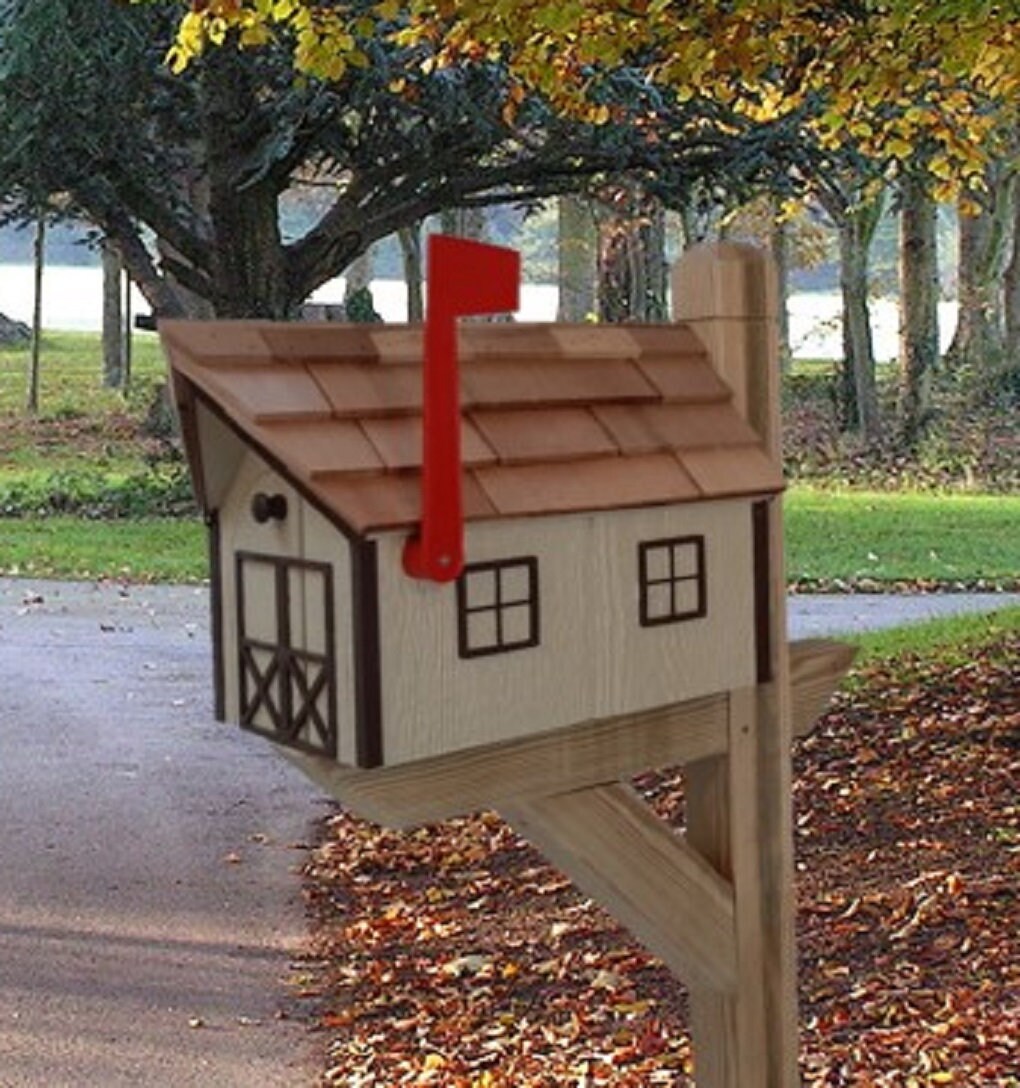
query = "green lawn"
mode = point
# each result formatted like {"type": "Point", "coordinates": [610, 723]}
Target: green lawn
{"type": "Point", "coordinates": [71, 374]}
{"type": "Point", "coordinates": [949, 638]}
{"type": "Point", "coordinates": [878, 539]}
{"type": "Point", "coordinates": [859, 540]}
{"type": "Point", "coordinates": [143, 550]}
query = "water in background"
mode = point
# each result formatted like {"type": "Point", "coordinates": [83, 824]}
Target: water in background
{"type": "Point", "coordinates": [72, 299]}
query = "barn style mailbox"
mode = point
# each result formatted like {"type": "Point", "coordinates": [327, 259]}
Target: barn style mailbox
{"type": "Point", "coordinates": [619, 605]}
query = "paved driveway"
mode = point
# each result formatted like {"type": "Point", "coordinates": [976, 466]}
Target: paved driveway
{"type": "Point", "coordinates": [148, 898]}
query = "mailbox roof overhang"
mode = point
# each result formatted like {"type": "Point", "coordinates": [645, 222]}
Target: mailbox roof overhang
{"type": "Point", "coordinates": [555, 418]}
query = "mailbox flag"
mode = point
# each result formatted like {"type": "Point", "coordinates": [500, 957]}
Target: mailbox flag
{"type": "Point", "coordinates": [464, 277]}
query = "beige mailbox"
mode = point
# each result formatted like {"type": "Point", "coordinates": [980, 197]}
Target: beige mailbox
{"type": "Point", "coordinates": [621, 606]}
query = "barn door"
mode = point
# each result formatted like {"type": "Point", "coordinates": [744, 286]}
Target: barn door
{"type": "Point", "coordinates": [286, 667]}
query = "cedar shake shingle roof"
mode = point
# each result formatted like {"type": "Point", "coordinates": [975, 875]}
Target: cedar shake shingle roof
{"type": "Point", "coordinates": [555, 418]}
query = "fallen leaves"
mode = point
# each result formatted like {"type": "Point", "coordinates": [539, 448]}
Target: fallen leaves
{"type": "Point", "coordinates": [454, 956]}
{"type": "Point", "coordinates": [909, 876]}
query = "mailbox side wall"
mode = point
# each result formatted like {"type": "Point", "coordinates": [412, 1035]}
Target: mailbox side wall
{"type": "Point", "coordinates": [303, 534]}
{"type": "Point", "coordinates": [594, 658]}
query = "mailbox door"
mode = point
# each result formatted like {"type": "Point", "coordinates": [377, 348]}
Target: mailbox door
{"type": "Point", "coordinates": [286, 650]}
{"type": "Point", "coordinates": [281, 656]}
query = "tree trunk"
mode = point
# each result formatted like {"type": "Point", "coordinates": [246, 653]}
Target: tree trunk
{"type": "Point", "coordinates": [113, 319]}
{"type": "Point", "coordinates": [860, 397]}
{"type": "Point", "coordinates": [1011, 290]}
{"type": "Point", "coordinates": [39, 254]}
{"type": "Point", "coordinates": [656, 298]}
{"type": "Point", "coordinates": [249, 267]}
{"type": "Point", "coordinates": [632, 263]}
{"type": "Point", "coordinates": [615, 290]}
{"type": "Point", "coordinates": [919, 319]}
{"type": "Point", "coordinates": [128, 340]}
{"type": "Point", "coordinates": [414, 276]}
{"type": "Point", "coordinates": [779, 244]}
{"type": "Point", "coordinates": [577, 250]}
{"type": "Point", "coordinates": [980, 334]}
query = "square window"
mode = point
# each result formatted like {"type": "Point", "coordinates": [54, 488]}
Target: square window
{"type": "Point", "coordinates": [657, 565]}
{"type": "Point", "coordinates": [671, 576]}
{"type": "Point", "coordinates": [497, 607]}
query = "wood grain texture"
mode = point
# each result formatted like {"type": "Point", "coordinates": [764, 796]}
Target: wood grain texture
{"type": "Point", "coordinates": [588, 754]}
{"type": "Point", "coordinates": [816, 668]}
{"type": "Point", "coordinates": [618, 852]}
{"type": "Point", "coordinates": [222, 453]}
{"type": "Point", "coordinates": [322, 542]}
{"type": "Point", "coordinates": [726, 293]}
{"type": "Point", "coordinates": [304, 533]}
{"type": "Point", "coordinates": [594, 660]}
{"type": "Point", "coordinates": [240, 532]}
{"type": "Point", "coordinates": [722, 799]}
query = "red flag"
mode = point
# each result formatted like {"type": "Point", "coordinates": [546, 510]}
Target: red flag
{"type": "Point", "coordinates": [464, 277]}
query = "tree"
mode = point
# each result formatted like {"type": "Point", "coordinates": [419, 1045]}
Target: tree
{"type": "Point", "coordinates": [577, 257]}
{"type": "Point", "coordinates": [985, 227]}
{"type": "Point", "coordinates": [853, 199]}
{"type": "Point", "coordinates": [632, 260]}
{"type": "Point", "coordinates": [919, 296]}
{"type": "Point", "coordinates": [114, 362]}
{"type": "Point", "coordinates": [409, 238]}
{"type": "Point", "coordinates": [883, 73]}
{"type": "Point", "coordinates": [200, 160]}
{"type": "Point", "coordinates": [1012, 290]}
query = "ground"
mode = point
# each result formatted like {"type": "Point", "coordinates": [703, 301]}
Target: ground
{"type": "Point", "coordinates": [455, 956]}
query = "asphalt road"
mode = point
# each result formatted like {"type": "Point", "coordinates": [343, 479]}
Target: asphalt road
{"type": "Point", "coordinates": [148, 898]}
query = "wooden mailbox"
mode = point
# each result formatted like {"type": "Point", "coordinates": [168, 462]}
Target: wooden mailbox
{"type": "Point", "coordinates": [621, 607]}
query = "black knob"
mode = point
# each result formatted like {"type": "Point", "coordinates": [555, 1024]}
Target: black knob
{"type": "Point", "coordinates": [268, 507]}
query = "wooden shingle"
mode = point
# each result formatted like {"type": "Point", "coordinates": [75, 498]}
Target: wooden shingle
{"type": "Point", "coordinates": [556, 418]}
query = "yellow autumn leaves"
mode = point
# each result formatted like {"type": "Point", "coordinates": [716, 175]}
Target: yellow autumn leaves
{"type": "Point", "coordinates": [890, 76]}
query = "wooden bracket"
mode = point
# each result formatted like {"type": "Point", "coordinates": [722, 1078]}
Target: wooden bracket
{"type": "Point", "coordinates": [704, 901]}
{"type": "Point", "coordinates": [619, 853]}
{"type": "Point", "coordinates": [587, 754]}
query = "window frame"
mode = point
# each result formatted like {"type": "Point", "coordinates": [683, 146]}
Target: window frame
{"type": "Point", "coordinates": [646, 582]}
{"type": "Point", "coordinates": [498, 607]}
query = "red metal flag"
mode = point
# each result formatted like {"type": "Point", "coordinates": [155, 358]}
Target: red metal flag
{"type": "Point", "coordinates": [464, 278]}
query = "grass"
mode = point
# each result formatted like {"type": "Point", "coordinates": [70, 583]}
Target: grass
{"type": "Point", "coordinates": [142, 550]}
{"type": "Point", "coordinates": [85, 450]}
{"type": "Point", "coordinates": [873, 541]}
{"type": "Point", "coordinates": [949, 640]}
{"type": "Point", "coordinates": [834, 540]}
{"type": "Point", "coordinates": [71, 375]}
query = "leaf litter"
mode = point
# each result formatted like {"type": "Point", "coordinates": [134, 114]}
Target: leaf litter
{"type": "Point", "coordinates": [454, 955]}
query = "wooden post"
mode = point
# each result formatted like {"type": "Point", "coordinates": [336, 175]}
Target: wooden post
{"type": "Point", "coordinates": [716, 904]}
{"type": "Point", "coordinates": [722, 793]}
{"type": "Point", "coordinates": [727, 294]}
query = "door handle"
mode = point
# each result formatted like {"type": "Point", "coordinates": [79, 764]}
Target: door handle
{"type": "Point", "coordinates": [268, 507]}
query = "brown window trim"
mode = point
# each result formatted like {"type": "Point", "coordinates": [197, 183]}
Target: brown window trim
{"type": "Point", "coordinates": [498, 607]}
{"type": "Point", "coordinates": [646, 582]}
